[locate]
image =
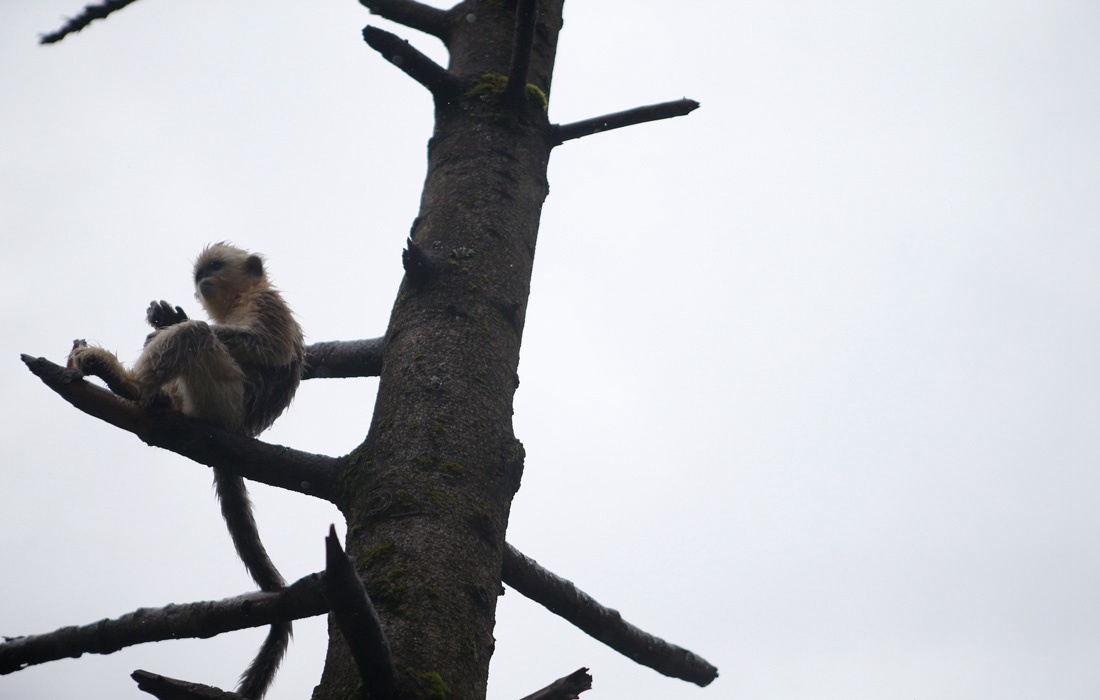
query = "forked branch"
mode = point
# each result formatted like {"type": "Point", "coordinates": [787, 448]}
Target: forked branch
{"type": "Point", "coordinates": [311, 474]}
{"type": "Point", "coordinates": [561, 597]}
{"type": "Point", "coordinates": [416, 65]}
{"type": "Point", "coordinates": [88, 15]}
{"type": "Point", "coordinates": [413, 15]}
{"type": "Point", "coordinates": [665, 110]}
{"type": "Point", "coordinates": [303, 598]}
{"type": "Point", "coordinates": [358, 621]}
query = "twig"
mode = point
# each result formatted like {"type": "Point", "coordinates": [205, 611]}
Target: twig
{"type": "Point", "coordinates": [358, 621]}
{"type": "Point", "coordinates": [561, 597]}
{"type": "Point", "coordinates": [413, 15]}
{"type": "Point", "coordinates": [311, 474]}
{"type": "Point", "coordinates": [664, 110]}
{"type": "Point", "coordinates": [88, 15]}
{"type": "Point", "coordinates": [167, 688]}
{"type": "Point", "coordinates": [568, 688]}
{"type": "Point", "coordinates": [344, 358]}
{"type": "Point", "coordinates": [516, 88]}
{"type": "Point", "coordinates": [415, 64]}
{"type": "Point", "coordinates": [303, 598]}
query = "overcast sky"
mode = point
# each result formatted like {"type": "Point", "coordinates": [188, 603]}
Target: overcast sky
{"type": "Point", "coordinates": [809, 378]}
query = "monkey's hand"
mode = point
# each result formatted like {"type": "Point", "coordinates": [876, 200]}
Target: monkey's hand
{"type": "Point", "coordinates": [91, 361]}
{"type": "Point", "coordinates": [161, 314]}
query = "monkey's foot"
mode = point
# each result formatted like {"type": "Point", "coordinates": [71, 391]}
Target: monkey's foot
{"type": "Point", "coordinates": [161, 314]}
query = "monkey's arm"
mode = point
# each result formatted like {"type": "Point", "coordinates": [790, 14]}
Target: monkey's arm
{"type": "Point", "coordinates": [274, 342]}
{"type": "Point", "coordinates": [259, 347]}
{"type": "Point", "coordinates": [268, 337]}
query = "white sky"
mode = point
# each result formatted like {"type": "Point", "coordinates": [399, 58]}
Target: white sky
{"type": "Point", "coordinates": [810, 376]}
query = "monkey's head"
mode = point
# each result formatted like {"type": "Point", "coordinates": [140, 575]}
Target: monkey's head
{"type": "Point", "coordinates": [224, 276]}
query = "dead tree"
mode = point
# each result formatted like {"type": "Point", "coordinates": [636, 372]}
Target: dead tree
{"type": "Point", "coordinates": [427, 495]}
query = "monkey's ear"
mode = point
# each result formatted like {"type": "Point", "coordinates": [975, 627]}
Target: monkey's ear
{"type": "Point", "coordinates": [254, 265]}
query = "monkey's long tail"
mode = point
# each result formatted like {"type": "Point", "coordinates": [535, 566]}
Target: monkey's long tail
{"type": "Point", "coordinates": [258, 676]}
{"type": "Point", "coordinates": [237, 511]}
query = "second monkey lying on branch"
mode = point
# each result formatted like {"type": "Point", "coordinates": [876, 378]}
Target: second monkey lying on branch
{"type": "Point", "coordinates": [239, 372]}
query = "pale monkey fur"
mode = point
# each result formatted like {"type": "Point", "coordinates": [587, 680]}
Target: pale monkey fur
{"type": "Point", "coordinates": [240, 372]}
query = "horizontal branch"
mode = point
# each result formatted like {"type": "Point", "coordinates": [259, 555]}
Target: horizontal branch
{"type": "Point", "coordinates": [344, 358]}
{"type": "Point", "coordinates": [304, 472]}
{"type": "Point", "coordinates": [306, 598]}
{"type": "Point", "coordinates": [677, 108]}
{"type": "Point", "coordinates": [358, 621]}
{"type": "Point", "coordinates": [88, 15]}
{"type": "Point", "coordinates": [561, 597]}
{"type": "Point", "coordinates": [416, 65]}
{"type": "Point", "coordinates": [303, 598]}
{"type": "Point", "coordinates": [568, 688]}
{"type": "Point", "coordinates": [414, 15]}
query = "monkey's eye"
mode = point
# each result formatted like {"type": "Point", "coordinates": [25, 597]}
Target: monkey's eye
{"type": "Point", "coordinates": [209, 269]}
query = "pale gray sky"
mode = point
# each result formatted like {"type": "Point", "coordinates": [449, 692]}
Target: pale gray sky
{"type": "Point", "coordinates": [810, 376]}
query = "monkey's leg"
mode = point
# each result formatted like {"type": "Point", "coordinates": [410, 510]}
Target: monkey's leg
{"type": "Point", "coordinates": [208, 383]}
{"type": "Point", "coordinates": [97, 362]}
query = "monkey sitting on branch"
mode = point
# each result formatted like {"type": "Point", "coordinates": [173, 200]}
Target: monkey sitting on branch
{"type": "Point", "coordinates": [239, 372]}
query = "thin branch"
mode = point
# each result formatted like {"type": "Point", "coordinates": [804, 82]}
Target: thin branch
{"type": "Point", "coordinates": [88, 15]}
{"type": "Point", "coordinates": [415, 64]}
{"type": "Point", "coordinates": [358, 622]}
{"type": "Point", "coordinates": [665, 110]}
{"type": "Point", "coordinates": [414, 15]}
{"type": "Point", "coordinates": [306, 598]}
{"type": "Point", "coordinates": [311, 474]}
{"type": "Point", "coordinates": [516, 88]}
{"type": "Point", "coordinates": [303, 598]}
{"type": "Point", "coordinates": [167, 688]}
{"type": "Point", "coordinates": [344, 358]}
{"type": "Point", "coordinates": [568, 688]}
{"type": "Point", "coordinates": [561, 597]}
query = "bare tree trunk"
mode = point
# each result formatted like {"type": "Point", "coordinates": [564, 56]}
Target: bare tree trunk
{"type": "Point", "coordinates": [428, 493]}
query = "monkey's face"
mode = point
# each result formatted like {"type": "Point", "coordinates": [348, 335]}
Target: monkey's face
{"type": "Point", "coordinates": [208, 279]}
{"type": "Point", "coordinates": [223, 276]}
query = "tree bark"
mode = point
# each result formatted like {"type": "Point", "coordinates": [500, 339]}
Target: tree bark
{"type": "Point", "coordinates": [427, 494]}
